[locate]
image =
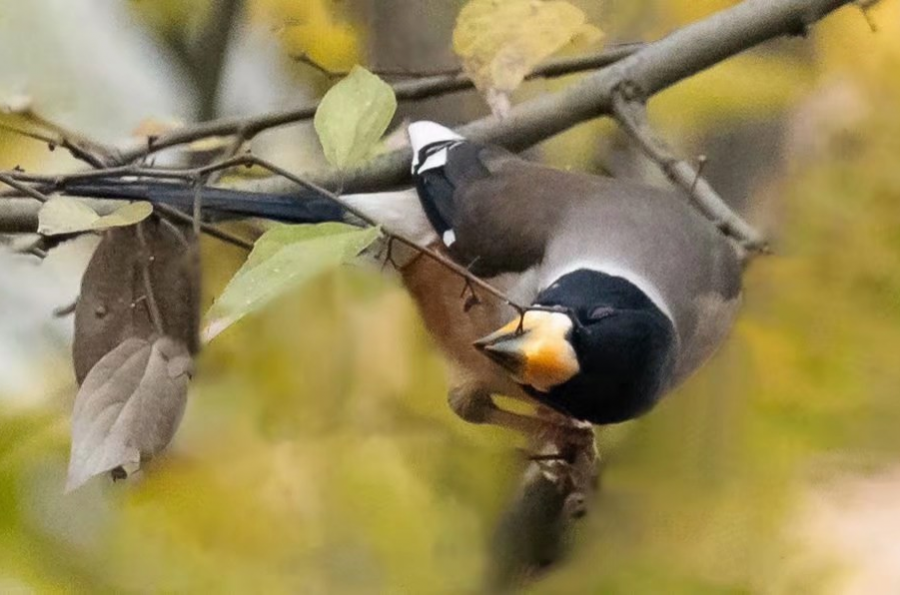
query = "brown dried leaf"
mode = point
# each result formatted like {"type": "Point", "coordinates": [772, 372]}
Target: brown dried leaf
{"type": "Point", "coordinates": [113, 307]}
{"type": "Point", "coordinates": [128, 408]}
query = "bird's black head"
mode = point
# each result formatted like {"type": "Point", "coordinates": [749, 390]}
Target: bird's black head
{"type": "Point", "coordinates": [604, 357]}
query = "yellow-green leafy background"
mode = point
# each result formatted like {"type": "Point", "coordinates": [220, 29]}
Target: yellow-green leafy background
{"type": "Point", "coordinates": [318, 455]}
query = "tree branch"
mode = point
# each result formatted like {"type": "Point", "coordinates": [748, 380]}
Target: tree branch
{"type": "Point", "coordinates": [462, 272]}
{"type": "Point", "coordinates": [19, 215]}
{"type": "Point", "coordinates": [82, 148]}
{"type": "Point", "coordinates": [198, 174]}
{"type": "Point", "coordinates": [25, 189]}
{"type": "Point", "coordinates": [412, 90]}
{"type": "Point", "coordinates": [631, 113]}
{"type": "Point", "coordinates": [653, 68]}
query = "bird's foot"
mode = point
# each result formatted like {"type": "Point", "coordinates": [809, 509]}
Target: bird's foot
{"type": "Point", "coordinates": [566, 455]}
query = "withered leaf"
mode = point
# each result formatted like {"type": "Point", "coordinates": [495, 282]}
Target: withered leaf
{"type": "Point", "coordinates": [112, 306]}
{"type": "Point", "coordinates": [500, 41]}
{"type": "Point", "coordinates": [128, 407]}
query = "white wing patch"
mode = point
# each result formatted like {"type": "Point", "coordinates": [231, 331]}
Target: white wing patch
{"type": "Point", "coordinates": [434, 161]}
{"type": "Point", "coordinates": [424, 133]}
{"type": "Point", "coordinates": [449, 237]}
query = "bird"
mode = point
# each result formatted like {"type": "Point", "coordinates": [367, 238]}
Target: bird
{"type": "Point", "coordinates": [627, 289]}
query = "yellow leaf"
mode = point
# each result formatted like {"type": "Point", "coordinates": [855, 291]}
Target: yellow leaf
{"type": "Point", "coordinates": [587, 35]}
{"type": "Point", "coordinates": [321, 29]}
{"type": "Point", "coordinates": [501, 41]}
{"type": "Point", "coordinates": [64, 215]}
{"type": "Point", "coordinates": [130, 214]}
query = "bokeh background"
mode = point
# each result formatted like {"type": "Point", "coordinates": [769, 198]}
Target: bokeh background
{"type": "Point", "coordinates": [318, 455]}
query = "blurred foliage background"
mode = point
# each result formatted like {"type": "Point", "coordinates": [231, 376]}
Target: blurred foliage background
{"type": "Point", "coordinates": [318, 455]}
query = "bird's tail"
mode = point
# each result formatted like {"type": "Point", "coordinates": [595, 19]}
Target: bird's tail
{"type": "Point", "coordinates": [219, 203]}
{"type": "Point", "coordinates": [397, 211]}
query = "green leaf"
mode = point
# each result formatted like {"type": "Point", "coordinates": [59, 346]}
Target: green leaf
{"type": "Point", "coordinates": [283, 259]}
{"type": "Point", "coordinates": [62, 215]}
{"type": "Point", "coordinates": [352, 117]}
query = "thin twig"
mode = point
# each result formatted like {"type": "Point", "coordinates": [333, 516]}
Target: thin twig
{"type": "Point", "coordinates": [198, 189]}
{"type": "Point", "coordinates": [55, 183]}
{"type": "Point", "coordinates": [654, 67]}
{"type": "Point", "coordinates": [9, 180]}
{"type": "Point", "coordinates": [304, 58]}
{"type": "Point", "coordinates": [146, 258]}
{"type": "Point", "coordinates": [198, 174]}
{"type": "Point", "coordinates": [35, 251]}
{"type": "Point", "coordinates": [405, 91]}
{"type": "Point", "coordinates": [631, 113]}
{"type": "Point", "coordinates": [425, 250]}
{"type": "Point", "coordinates": [173, 229]}
{"type": "Point", "coordinates": [92, 152]}
{"type": "Point", "coordinates": [59, 181]}
{"type": "Point", "coordinates": [208, 229]}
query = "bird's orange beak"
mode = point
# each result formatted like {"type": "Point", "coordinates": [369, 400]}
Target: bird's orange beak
{"type": "Point", "coordinates": [535, 351]}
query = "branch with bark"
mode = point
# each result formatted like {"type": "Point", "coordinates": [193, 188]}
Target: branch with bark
{"type": "Point", "coordinates": [630, 111]}
{"type": "Point", "coordinates": [647, 69]}
{"type": "Point", "coordinates": [411, 90]}
{"type": "Point", "coordinates": [652, 69]}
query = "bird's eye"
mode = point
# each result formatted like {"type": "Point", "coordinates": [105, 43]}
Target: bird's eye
{"type": "Point", "coordinates": [600, 313]}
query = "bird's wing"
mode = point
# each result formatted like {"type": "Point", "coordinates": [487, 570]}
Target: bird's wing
{"type": "Point", "coordinates": [438, 188]}
{"type": "Point", "coordinates": [503, 211]}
